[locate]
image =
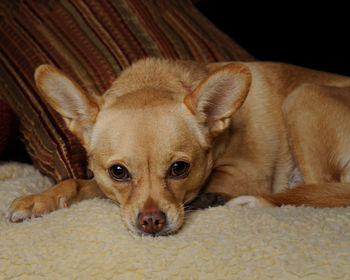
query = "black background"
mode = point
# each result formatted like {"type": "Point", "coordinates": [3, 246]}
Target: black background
{"type": "Point", "coordinates": [315, 36]}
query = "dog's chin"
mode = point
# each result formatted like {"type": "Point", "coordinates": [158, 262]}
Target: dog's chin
{"type": "Point", "coordinates": [164, 232]}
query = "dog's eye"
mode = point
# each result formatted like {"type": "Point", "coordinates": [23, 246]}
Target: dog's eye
{"type": "Point", "coordinates": [119, 173]}
{"type": "Point", "coordinates": [178, 169]}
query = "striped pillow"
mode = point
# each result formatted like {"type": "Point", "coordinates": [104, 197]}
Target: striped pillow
{"type": "Point", "coordinates": [92, 41]}
{"type": "Point", "coordinates": [7, 121]}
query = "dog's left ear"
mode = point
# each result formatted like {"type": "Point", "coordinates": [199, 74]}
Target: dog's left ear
{"type": "Point", "coordinates": [219, 96]}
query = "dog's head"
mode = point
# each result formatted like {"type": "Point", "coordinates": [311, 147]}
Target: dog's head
{"type": "Point", "coordinates": [149, 138]}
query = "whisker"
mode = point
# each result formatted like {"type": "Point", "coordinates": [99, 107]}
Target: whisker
{"type": "Point", "coordinates": [187, 201]}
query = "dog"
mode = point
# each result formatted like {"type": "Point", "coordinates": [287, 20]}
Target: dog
{"type": "Point", "coordinates": [171, 132]}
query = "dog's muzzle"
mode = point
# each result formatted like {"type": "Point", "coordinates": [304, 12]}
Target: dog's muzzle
{"type": "Point", "coordinates": [151, 222]}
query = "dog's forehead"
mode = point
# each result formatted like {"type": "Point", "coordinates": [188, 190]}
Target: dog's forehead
{"type": "Point", "coordinates": [141, 98]}
{"type": "Point", "coordinates": [149, 122]}
{"type": "Point", "coordinates": [137, 127]}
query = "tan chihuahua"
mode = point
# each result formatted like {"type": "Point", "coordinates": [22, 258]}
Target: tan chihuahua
{"type": "Point", "coordinates": [170, 132]}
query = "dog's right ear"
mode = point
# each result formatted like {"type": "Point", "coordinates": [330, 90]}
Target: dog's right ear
{"type": "Point", "coordinates": [68, 99]}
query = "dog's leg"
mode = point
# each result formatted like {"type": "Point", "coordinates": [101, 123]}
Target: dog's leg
{"type": "Point", "coordinates": [234, 185]}
{"type": "Point", "coordinates": [318, 121]}
{"type": "Point", "coordinates": [205, 200]}
{"type": "Point", "coordinates": [61, 195]}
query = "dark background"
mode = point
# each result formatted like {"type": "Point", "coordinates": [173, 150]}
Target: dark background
{"type": "Point", "coordinates": [306, 34]}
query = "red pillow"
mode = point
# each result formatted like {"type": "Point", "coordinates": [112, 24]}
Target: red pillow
{"type": "Point", "coordinates": [7, 121]}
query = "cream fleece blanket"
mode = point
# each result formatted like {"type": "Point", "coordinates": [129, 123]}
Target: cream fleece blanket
{"type": "Point", "coordinates": [89, 241]}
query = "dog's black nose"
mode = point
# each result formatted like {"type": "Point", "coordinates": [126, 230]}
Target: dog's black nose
{"type": "Point", "coordinates": [151, 222]}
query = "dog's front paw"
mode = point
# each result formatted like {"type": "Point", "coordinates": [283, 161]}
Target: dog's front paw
{"type": "Point", "coordinates": [206, 200]}
{"type": "Point", "coordinates": [33, 206]}
{"type": "Point", "coordinates": [249, 202]}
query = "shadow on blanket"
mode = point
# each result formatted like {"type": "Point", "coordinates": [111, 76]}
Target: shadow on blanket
{"type": "Point", "coordinates": [89, 241]}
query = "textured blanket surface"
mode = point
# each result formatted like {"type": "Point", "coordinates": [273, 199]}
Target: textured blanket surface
{"type": "Point", "coordinates": [89, 241]}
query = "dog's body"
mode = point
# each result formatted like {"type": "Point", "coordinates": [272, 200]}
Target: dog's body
{"type": "Point", "coordinates": [167, 130]}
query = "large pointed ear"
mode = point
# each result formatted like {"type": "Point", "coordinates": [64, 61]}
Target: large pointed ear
{"type": "Point", "coordinates": [219, 96]}
{"type": "Point", "coordinates": [68, 99]}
